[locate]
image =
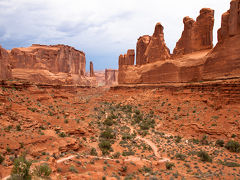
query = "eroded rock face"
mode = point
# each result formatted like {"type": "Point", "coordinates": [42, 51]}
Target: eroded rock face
{"type": "Point", "coordinates": [142, 45]}
{"type": "Point", "coordinates": [111, 77]}
{"type": "Point", "coordinates": [224, 61]}
{"type": "Point", "coordinates": [91, 69]}
{"type": "Point", "coordinates": [230, 21]}
{"type": "Point", "coordinates": [127, 59]}
{"type": "Point", "coordinates": [197, 35]}
{"type": "Point", "coordinates": [56, 59]}
{"type": "Point", "coordinates": [157, 49]}
{"type": "Point", "coordinates": [5, 68]}
{"type": "Point", "coordinates": [54, 64]}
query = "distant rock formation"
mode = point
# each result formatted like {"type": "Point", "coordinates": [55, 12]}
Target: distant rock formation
{"type": "Point", "coordinates": [5, 68]}
{"type": "Point", "coordinates": [141, 48]}
{"type": "Point", "coordinates": [193, 60]}
{"type": "Point", "coordinates": [54, 58]}
{"type": "Point", "coordinates": [58, 64]}
{"type": "Point", "coordinates": [91, 69]}
{"type": "Point", "coordinates": [127, 59]}
{"type": "Point", "coordinates": [157, 49]}
{"type": "Point", "coordinates": [197, 35]}
{"type": "Point", "coordinates": [111, 77]}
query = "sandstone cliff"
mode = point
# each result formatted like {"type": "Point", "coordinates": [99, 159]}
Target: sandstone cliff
{"type": "Point", "coordinates": [5, 68]}
{"type": "Point", "coordinates": [142, 45]}
{"type": "Point", "coordinates": [111, 77]}
{"type": "Point", "coordinates": [194, 59]}
{"type": "Point", "coordinates": [197, 35]}
{"type": "Point", "coordinates": [59, 64]}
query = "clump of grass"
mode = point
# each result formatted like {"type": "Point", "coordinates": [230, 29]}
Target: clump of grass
{"type": "Point", "coordinates": [169, 165]}
{"type": "Point", "coordinates": [204, 156]}
{"type": "Point", "coordinates": [233, 146]}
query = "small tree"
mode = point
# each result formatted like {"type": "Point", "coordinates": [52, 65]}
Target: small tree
{"type": "Point", "coordinates": [42, 171]}
{"type": "Point", "coordinates": [21, 168]}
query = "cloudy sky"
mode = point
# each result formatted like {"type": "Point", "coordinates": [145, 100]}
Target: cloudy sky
{"type": "Point", "coordinates": [103, 29]}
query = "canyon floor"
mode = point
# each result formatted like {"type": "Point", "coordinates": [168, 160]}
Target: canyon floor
{"type": "Point", "coordinates": [167, 132]}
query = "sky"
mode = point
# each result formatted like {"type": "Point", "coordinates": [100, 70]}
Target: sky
{"type": "Point", "coordinates": [103, 29]}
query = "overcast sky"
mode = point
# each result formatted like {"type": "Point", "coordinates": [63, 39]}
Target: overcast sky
{"type": "Point", "coordinates": [103, 29]}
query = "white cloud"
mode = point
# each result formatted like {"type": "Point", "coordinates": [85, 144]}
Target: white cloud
{"type": "Point", "coordinates": [100, 28]}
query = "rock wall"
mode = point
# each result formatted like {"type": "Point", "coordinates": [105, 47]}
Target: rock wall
{"type": "Point", "coordinates": [56, 59]}
{"type": "Point", "coordinates": [5, 68]}
{"type": "Point", "coordinates": [127, 59]}
{"type": "Point", "coordinates": [197, 35]}
{"type": "Point", "coordinates": [111, 77]}
{"type": "Point", "coordinates": [91, 69]}
{"type": "Point", "coordinates": [141, 48]}
{"type": "Point", "coordinates": [224, 61]}
{"type": "Point", "coordinates": [194, 59]}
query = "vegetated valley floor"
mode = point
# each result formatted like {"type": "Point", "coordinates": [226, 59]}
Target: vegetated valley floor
{"type": "Point", "coordinates": [122, 133]}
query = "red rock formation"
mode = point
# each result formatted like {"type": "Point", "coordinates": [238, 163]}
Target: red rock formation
{"type": "Point", "coordinates": [224, 61]}
{"type": "Point", "coordinates": [157, 49]}
{"type": "Point", "coordinates": [5, 68]}
{"type": "Point", "coordinates": [142, 45]}
{"type": "Point", "coordinates": [197, 35]}
{"type": "Point", "coordinates": [230, 21]}
{"type": "Point", "coordinates": [127, 59]}
{"type": "Point", "coordinates": [91, 69]}
{"type": "Point", "coordinates": [111, 77]}
{"type": "Point", "coordinates": [56, 58]}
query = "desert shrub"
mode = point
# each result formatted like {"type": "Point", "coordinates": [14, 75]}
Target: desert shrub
{"type": "Point", "coordinates": [169, 165]}
{"type": "Point", "coordinates": [73, 169]}
{"type": "Point", "coordinates": [204, 140]}
{"type": "Point", "coordinates": [18, 128]}
{"type": "Point", "coordinates": [126, 136]}
{"type": "Point", "coordinates": [109, 121]}
{"type": "Point", "coordinates": [108, 134]}
{"type": "Point", "coordinates": [105, 146]}
{"type": "Point", "coordinates": [1, 159]}
{"type": "Point", "coordinates": [128, 153]}
{"type": "Point", "coordinates": [21, 168]}
{"type": "Point", "coordinates": [116, 155]}
{"type": "Point", "coordinates": [42, 171]}
{"type": "Point", "coordinates": [178, 139]}
{"type": "Point", "coordinates": [93, 152]}
{"type": "Point", "coordinates": [62, 134]}
{"type": "Point", "coordinates": [204, 156]}
{"type": "Point", "coordinates": [180, 156]}
{"type": "Point", "coordinates": [231, 164]}
{"type": "Point", "coordinates": [220, 143]}
{"type": "Point", "coordinates": [233, 146]}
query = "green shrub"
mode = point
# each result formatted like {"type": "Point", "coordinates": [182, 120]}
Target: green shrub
{"type": "Point", "coordinates": [42, 171]}
{"type": "Point", "coordinates": [169, 165]}
{"type": "Point", "coordinates": [1, 159]}
{"type": "Point", "coordinates": [108, 134]}
{"type": "Point", "coordinates": [231, 164]}
{"type": "Point", "coordinates": [180, 156]}
{"type": "Point", "coordinates": [178, 139]}
{"type": "Point", "coordinates": [233, 146]}
{"type": "Point", "coordinates": [93, 152]}
{"type": "Point", "coordinates": [73, 169]}
{"type": "Point", "coordinates": [105, 146]}
{"type": "Point", "coordinates": [21, 168]}
{"type": "Point", "coordinates": [109, 121]}
{"type": "Point", "coordinates": [18, 128]}
{"type": "Point", "coordinates": [204, 156]}
{"type": "Point", "coordinates": [220, 143]}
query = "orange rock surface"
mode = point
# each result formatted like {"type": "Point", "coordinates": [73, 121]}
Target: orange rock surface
{"type": "Point", "coordinates": [5, 68]}
{"type": "Point", "coordinates": [193, 59]}
{"type": "Point", "coordinates": [111, 77]}
{"type": "Point", "coordinates": [91, 69]}
{"type": "Point", "coordinates": [197, 35]}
